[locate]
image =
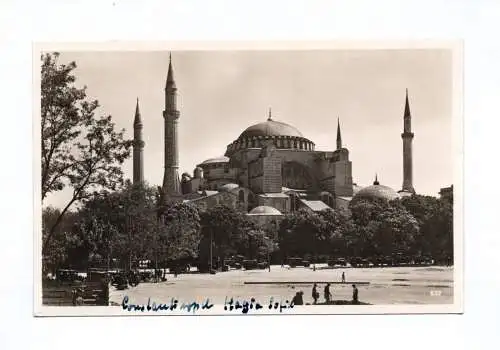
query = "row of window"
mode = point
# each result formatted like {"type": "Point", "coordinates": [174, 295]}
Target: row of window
{"type": "Point", "coordinates": [280, 143]}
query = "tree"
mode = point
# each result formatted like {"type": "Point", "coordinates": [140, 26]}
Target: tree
{"type": "Point", "coordinates": [181, 235]}
{"type": "Point", "coordinates": [395, 233]}
{"type": "Point", "coordinates": [226, 228]}
{"type": "Point", "coordinates": [337, 231]}
{"type": "Point", "coordinates": [122, 224]}
{"type": "Point", "coordinates": [64, 243]}
{"type": "Point", "coordinates": [303, 232]}
{"type": "Point", "coordinates": [78, 149]}
{"type": "Point", "coordinates": [435, 219]}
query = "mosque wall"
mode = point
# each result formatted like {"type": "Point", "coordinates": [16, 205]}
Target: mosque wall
{"type": "Point", "coordinates": [280, 203]}
{"type": "Point", "coordinates": [223, 198]}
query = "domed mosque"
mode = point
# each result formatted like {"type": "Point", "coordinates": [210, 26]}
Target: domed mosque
{"type": "Point", "coordinates": [270, 169]}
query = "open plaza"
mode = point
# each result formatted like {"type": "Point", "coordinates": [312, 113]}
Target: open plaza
{"type": "Point", "coordinates": [377, 286]}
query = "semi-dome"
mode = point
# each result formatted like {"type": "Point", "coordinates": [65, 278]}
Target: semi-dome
{"type": "Point", "coordinates": [264, 210]}
{"type": "Point", "coordinates": [376, 191]}
{"type": "Point", "coordinates": [228, 187]}
{"type": "Point", "coordinates": [271, 128]}
{"type": "Point", "coordinates": [221, 159]}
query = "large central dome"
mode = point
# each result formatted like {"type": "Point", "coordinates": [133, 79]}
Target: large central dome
{"type": "Point", "coordinates": [261, 135]}
{"type": "Point", "coordinates": [271, 128]}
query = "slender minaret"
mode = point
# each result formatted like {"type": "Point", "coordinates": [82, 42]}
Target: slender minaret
{"type": "Point", "coordinates": [171, 180]}
{"type": "Point", "coordinates": [138, 160]}
{"type": "Point", "coordinates": [407, 137]}
{"type": "Point", "coordinates": [339, 137]}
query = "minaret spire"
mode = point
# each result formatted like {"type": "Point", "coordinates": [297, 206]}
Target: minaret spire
{"type": "Point", "coordinates": [269, 115]}
{"type": "Point", "coordinates": [376, 180]}
{"type": "Point", "coordinates": [407, 107]}
{"type": "Point", "coordinates": [170, 75]}
{"type": "Point", "coordinates": [339, 136]}
{"type": "Point", "coordinates": [407, 137]}
{"type": "Point", "coordinates": [138, 147]}
{"type": "Point", "coordinates": [137, 118]}
{"type": "Point", "coordinates": [171, 180]}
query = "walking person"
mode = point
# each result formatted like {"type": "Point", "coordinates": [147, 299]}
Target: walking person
{"type": "Point", "coordinates": [343, 277]}
{"type": "Point", "coordinates": [327, 293]}
{"type": "Point", "coordinates": [354, 294]}
{"type": "Point", "coordinates": [315, 294]}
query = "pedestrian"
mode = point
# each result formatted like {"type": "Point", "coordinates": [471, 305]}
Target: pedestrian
{"type": "Point", "coordinates": [354, 294]}
{"type": "Point", "coordinates": [298, 299]}
{"type": "Point", "coordinates": [343, 277]}
{"type": "Point", "coordinates": [315, 294]}
{"type": "Point", "coordinates": [327, 293]}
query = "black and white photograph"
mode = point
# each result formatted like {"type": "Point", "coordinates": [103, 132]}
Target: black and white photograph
{"type": "Point", "coordinates": [248, 179]}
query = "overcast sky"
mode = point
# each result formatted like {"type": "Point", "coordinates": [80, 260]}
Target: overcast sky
{"type": "Point", "coordinates": [221, 93]}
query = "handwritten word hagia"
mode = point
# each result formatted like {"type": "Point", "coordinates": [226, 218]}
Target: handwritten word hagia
{"type": "Point", "coordinates": [230, 305]}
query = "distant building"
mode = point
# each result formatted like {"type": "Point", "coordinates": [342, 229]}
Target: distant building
{"type": "Point", "coordinates": [446, 193]}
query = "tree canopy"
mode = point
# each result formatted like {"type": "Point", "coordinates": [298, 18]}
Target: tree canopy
{"type": "Point", "coordinates": [79, 149]}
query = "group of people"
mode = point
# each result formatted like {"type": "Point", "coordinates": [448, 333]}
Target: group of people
{"type": "Point", "coordinates": [298, 300]}
{"type": "Point", "coordinates": [328, 294]}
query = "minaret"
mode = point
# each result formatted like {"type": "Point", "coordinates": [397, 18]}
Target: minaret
{"type": "Point", "coordinates": [171, 180]}
{"type": "Point", "coordinates": [407, 137]}
{"type": "Point", "coordinates": [138, 155]}
{"type": "Point", "coordinates": [339, 137]}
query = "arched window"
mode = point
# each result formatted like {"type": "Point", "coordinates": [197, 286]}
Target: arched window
{"type": "Point", "coordinates": [241, 196]}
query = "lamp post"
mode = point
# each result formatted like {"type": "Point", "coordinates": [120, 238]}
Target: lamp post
{"type": "Point", "coordinates": [314, 253]}
{"type": "Point", "coordinates": [211, 243]}
{"type": "Point", "coordinates": [268, 253]}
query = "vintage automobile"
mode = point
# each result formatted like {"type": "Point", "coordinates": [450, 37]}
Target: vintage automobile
{"type": "Point", "coordinates": [68, 276]}
{"type": "Point", "coordinates": [263, 265]}
{"type": "Point", "coordinates": [250, 264]}
{"type": "Point", "coordinates": [337, 262]}
{"type": "Point", "coordinates": [93, 291]}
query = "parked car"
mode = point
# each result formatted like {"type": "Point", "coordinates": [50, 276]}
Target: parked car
{"type": "Point", "coordinates": [250, 264]}
{"type": "Point", "coordinates": [337, 262]}
{"type": "Point", "coordinates": [67, 276]}
{"type": "Point", "coordinates": [263, 265]}
{"type": "Point", "coordinates": [294, 262]}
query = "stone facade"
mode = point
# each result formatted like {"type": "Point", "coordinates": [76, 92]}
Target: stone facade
{"type": "Point", "coordinates": [270, 164]}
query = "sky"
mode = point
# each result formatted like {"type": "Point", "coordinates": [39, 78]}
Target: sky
{"type": "Point", "coordinates": [221, 93]}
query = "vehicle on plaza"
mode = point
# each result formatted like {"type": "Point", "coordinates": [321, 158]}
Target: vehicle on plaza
{"type": "Point", "coordinates": [294, 262]}
{"type": "Point", "coordinates": [68, 276]}
{"type": "Point", "coordinates": [337, 262]}
{"type": "Point", "coordinates": [250, 264]}
{"type": "Point", "coordinates": [263, 265]}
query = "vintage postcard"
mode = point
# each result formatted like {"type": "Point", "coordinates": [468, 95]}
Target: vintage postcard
{"type": "Point", "coordinates": [248, 178]}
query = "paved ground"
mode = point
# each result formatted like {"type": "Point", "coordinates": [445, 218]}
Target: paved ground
{"type": "Point", "coordinates": [399, 285]}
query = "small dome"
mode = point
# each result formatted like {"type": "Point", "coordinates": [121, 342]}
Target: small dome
{"type": "Point", "coordinates": [228, 187]}
{"type": "Point", "coordinates": [271, 128]}
{"type": "Point", "coordinates": [265, 210]}
{"type": "Point", "coordinates": [376, 191]}
{"type": "Point", "coordinates": [222, 159]}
